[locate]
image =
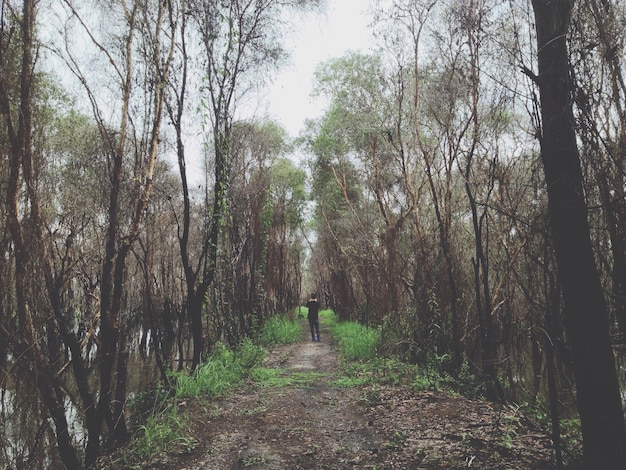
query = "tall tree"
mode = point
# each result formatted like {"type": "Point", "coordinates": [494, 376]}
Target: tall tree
{"type": "Point", "coordinates": [597, 50]}
{"type": "Point", "coordinates": [24, 219]}
{"type": "Point", "coordinates": [239, 39]}
{"type": "Point", "coordinates": [586, 313]}
{"type": "Point", "coordinates": [407, 24]}
{"type": "Point", "coordinates": [474, 22]}
{"type": "Point", "coordinates": [259, 259]}
{"type": "Point", "coordinates": [131, 150]}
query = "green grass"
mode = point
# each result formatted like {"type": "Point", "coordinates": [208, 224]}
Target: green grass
{"type": "Point", "coordinates": [349, 382]}
{"type": "Point", "coordinates": [225, 368]}
{"type": "Point", "coordinates": [328, 318]}
{"type": "Point", "coordinates": [300, 312]}
{"type": "Point", "coordinates": [361, 364]}
{"type": "Point", "coordinates": [164, 429]}
{"type": "Point", "coordinates": [219, 374]}
{"type": "Point", "coordinates": [270, 377]}
{"type": "Point", "coordinates": [375, 371]}
{"type": "Point", "coordinates": [163, 433]}
{"type": "Point", "coordinates": [356, 342]}
{"type": "Point", "coordinates": [280, 330]}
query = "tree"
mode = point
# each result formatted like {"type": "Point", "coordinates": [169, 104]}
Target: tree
{"type": "Point", "coordinates": [364, 121]}
{"type": "Point", "coordinates": [586, 313]}
{"type": "Point", "coordinates": [26, 226]}
{"type": "Point", "coordinates": [597, 49]}
{"type": "Point", "coordinates": [53, 316]}
{"type": "Point", "coordinates": [267, 192]}
{"type": "Point", "coordinates": [343, 235]}
{"type": "Point", "coordinates": [143, 24]}
{"type": "Point", "coordinates": [473, 22]}
{"type": "Point", "coordinates": [402, 29]}
{"type": "Point", "coordinates": [284, 251]}
{"type": "Point", "coordinates": [239, 39]}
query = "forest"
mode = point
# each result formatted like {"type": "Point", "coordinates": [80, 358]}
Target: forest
{"type": "Point", "coordinates": [464, 193]}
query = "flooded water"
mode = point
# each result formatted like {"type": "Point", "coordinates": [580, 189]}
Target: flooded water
{"type": "Point", "coordinates": [27, 439]}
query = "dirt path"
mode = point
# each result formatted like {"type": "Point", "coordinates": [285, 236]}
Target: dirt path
{"type": "Point", "coordinates": [315, 425]}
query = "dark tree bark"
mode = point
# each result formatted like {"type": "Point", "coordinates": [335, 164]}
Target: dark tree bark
{"type": "Point", "coordinates": [586, 313]}
{"type": "Point", "coordinates": [27, 342]}
{"type": "Point", "coordinates": [553, 296]}
{"type": "Point", "coordinates": [607, 143]}
{"type": "Point", "coordinates": [119, 243]}
{"type": "Point", "coordinates": [195, 291]}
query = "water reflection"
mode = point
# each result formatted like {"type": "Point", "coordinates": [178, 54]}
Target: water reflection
{"type": "Point", "coordinates": [27, 439]}
{"type": "Point", "coordinates": [26, 435]}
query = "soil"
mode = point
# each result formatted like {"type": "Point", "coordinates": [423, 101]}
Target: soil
{"type": "Point", "coordinates": [316, 425]}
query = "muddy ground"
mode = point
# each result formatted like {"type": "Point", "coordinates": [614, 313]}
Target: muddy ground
{"type": "Point", "coordinates": [316, 425]}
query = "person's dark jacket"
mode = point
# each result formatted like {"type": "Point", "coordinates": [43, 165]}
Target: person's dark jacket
{"type": "Point", "coordinates": [314, 308]}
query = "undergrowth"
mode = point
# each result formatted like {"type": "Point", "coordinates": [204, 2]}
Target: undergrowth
{"type": "Point", "coordinates": [356, 342]}
{"type": "Point", "coordinates": [220, 373]}
{"type": "Point", "coordinates": [280, 330]}
{"type": "Point", "coordinates": [434, 375]}
{"type": "Point", "coordinates": [163, 433]}
{"type": "Point", "coordinates": [163, 429]}
{"type": "Point", "coordinates": [364, 362]}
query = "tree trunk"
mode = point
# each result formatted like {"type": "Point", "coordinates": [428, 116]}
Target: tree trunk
{"type": "Point", "coordinates": [48, 391]}
{"type": "Point", "coordinates": [552, 309]}
{"type": "Point", "coordinates": [586, 313]}
{"type": "Point", "coordinates": [28, 341]}
{"type": "Point", "coordinates": [615, 220]}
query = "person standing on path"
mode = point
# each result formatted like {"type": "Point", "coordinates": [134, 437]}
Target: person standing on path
{"type": "Point", "coordinates": [314, 323]}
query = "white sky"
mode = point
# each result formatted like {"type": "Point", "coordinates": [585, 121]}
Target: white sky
{"type": "Point", "coordinates": [342, 27]}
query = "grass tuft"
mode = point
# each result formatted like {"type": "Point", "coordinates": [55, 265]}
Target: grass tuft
{"type": "Point", "coordinates": [164, 430]}
{"type": "Point", "coordinates": [356, 342]}
{"type": "Point", "coordinates": [163, 433]}
{"type": "Point", "coordinates": [280, 330]}
{"type": "Point", "coordinates": [219, 374]}
{"type": "Point", "coordinates": [328, 318]}
{"type": "Point", "coordinates": [223, 370]}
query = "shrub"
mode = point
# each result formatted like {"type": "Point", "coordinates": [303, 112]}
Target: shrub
{"type": "Point", "coordinates": [466, 382]}
{"type": "Point", "coordinates": [432, 374]}
{"type": "Point", "coordinates": [435, 376]}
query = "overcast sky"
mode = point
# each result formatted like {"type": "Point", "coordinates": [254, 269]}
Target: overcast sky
{"type": "Point", "coordinates": [342, 28]}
